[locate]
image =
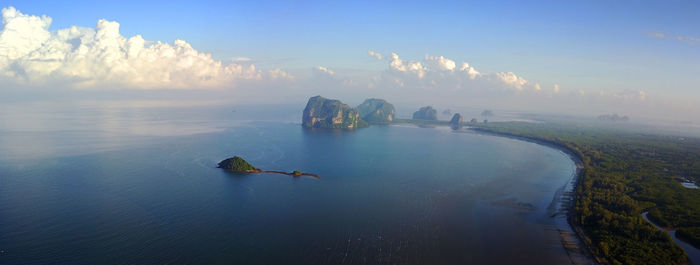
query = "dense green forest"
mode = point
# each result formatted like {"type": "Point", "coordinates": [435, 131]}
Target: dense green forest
{"type": "Point", "coordinates": [625, 174]}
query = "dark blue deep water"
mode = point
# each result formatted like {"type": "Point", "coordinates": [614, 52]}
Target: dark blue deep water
{"type": "Point", "coordinates": [139, 186]}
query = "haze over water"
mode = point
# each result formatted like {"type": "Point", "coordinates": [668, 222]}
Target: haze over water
{"type": "Point", "coordinates": [139, 185]}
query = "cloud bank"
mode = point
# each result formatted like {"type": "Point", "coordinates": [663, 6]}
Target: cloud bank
{"type": "Point", "coordinates": [436, 72]}
{"type": "Point", "coordinates": [31, 53]}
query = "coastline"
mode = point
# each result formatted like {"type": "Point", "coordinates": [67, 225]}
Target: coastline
{"type": "Point", "coordinates": [572, 247]}
{"type": "Point", "coordinates": [576, 178]}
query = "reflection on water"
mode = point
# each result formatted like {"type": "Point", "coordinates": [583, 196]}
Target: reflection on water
{"type": "Point", "coordinates": [692, 252]}
{"type": "Point", "coordinates": [48, 129]}
{"type": "Point", "coordinates": [139, 185]}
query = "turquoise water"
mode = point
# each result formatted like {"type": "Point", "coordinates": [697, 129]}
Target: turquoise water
{"type": "Point", "coordinates": [139, 185]}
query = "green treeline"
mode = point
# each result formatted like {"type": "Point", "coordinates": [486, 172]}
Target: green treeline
{"type": "Point", "coordinates": [624, 175]}
{"type": "Point", "coordinates": [689, 234]}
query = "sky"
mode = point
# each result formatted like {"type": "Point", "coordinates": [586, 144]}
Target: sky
{"type": "Point", "coordinates": [636, 58]}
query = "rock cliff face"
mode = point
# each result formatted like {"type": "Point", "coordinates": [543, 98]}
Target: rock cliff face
{"type": "Point", "coordinates": [376, 111]}
{"type": "Point", "coordinates": [321, 112]}
{"type": "Point", "coordinates": [425, 113]}
{"type": "Point", "coordinates": [456, 121]}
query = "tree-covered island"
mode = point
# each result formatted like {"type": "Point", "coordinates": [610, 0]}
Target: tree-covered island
{"type": "Point", "coordinates": [239, 165]}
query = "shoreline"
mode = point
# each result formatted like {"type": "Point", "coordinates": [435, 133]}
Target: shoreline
{"type": "Point", "coordinates": [585, 249]}
{"type": "Point", "coordinates": [576, 178]}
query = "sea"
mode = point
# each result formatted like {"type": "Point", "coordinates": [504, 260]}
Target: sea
{"type": "Point", "coordinates": [137, 183]}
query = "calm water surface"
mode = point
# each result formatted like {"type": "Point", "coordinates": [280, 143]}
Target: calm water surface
{"type": "Point", "coordinates": [112, 185]}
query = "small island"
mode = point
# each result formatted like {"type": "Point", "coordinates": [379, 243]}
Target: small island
{"type": "Point", "coordinates": [456, 121]}
{"type": "Point", "coordinates": [237, 164]}
{"type": "Point", "coordinates": [425, 113]}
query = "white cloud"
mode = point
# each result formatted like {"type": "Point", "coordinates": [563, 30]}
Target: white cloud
{"type": "Point", "coordinates": [323, 71]}
{"type": "Point", "coordinates": [473, 73]}
{"type": "Point", "coordinates": [375, 54]}
{"type": "Point", "coordinates": [32, 54]}
{"type": "Point", "coordinates": [439, 71]}
{"type": "Point", "coordinates": [512, 80]}
{"type": "Point", "coordinates": [242, 59]}
{"type": "Point", "coordinates": [415, 68]}
{"type": "Point", "coordinates": [277, 73]}
{"type": "Point", "coordinates": [440, 63]}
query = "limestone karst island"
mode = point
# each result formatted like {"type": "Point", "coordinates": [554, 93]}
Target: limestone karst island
{"type": "Point", "coordinates": [321, 112]}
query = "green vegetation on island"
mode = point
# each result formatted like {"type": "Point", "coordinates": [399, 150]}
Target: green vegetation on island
{"type": "Point", "coordinates": [625, 174]}
{"type": "Point", "coordinates": [321, 112]}
{"type": "Point", "coordinates": [376, 111]}
{"type": "Point", "coordinates": [425, 113]}
{"type": "Point", "coordinates": [237, 164]}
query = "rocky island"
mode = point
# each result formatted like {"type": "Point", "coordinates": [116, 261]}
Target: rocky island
{"type": "Point", "coordinates": [376, 111]}
{"type": "Point", "coordinates": [456, 122]}
{"type": "Point", "coordinates": [321, 112]}
{"type": "Point", "coordinates": [425, 113]}
{"type": "Point", "coordinates": [239, 165]}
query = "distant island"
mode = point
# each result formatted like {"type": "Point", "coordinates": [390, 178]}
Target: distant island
{"type": "Point", "coordinates": [326, 113]}
{"type": "Point", "coordinates": [425, 113]}
{"type": "Point", "coordinates": [238, 165]}
{"type": "Point", "coordinates": [457, 121]}
{"type": "Point", "coordinates": [376, 111]}
{"type": "Point", "coordinates": [321, 112]}
{"type": "Point", "coordinates": [613, 117]}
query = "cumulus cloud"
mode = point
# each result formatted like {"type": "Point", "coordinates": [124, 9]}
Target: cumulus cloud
{"type": "Point", "coordinates": [398, 65]}
{"type": "Point", "coordinates": [470, 71]}
{"type": "Point", "coordinates": [440, 63]}
{"type": "Point", "coordinates": [512, 80]}
{"type": "Point", "coordinates": [31, 53]}
{"type": "Point", "coordinates": [439, 71]}
{"type": "Point", "coordinates": [277, 73]}
{"type": "Point", "coordinates": [374, 54]}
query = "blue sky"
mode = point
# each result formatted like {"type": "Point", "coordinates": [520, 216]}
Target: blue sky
{"type": "Point", "coordinates": [588, 45]}
{"type": "Point", "coordinates": [585, 44]}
